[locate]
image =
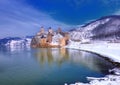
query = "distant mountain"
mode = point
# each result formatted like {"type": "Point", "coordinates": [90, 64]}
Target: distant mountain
{"type": "Point", "coordinates": [16, 41]}
{"type": "Point", "coordinates": [106, 29]}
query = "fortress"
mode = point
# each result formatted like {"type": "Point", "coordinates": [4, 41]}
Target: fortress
{"type": "Point", "coordinates": [50, 38]}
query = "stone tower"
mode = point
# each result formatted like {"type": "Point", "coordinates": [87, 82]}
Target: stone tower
{"type": "Point", "coordinates": [50, 34]}
{"type": "Point", "coordinates": [41, 32]}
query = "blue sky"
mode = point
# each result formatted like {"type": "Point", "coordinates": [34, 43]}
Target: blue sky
{"type": "Point", "coordinates": [25, 17]}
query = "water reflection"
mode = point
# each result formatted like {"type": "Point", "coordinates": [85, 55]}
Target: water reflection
{"type": "Point", "coordinates": [52, 55]}
{"type": "Point", "coordinates": [60, 56]}
{"type": "Point", "coordinates": [14, 49]}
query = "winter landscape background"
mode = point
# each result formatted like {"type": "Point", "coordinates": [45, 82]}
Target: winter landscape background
{"type": "Point", "coordinates": [92, 53]}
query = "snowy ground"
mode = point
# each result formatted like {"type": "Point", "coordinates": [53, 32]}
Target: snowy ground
{"type": "Point", "coordinates": [110, 50]}
{"type": "Point", "coordinates": [107, 80]}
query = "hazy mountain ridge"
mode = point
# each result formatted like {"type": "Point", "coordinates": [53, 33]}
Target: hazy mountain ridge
{"type": "Point", "coordinates": [16, 41]}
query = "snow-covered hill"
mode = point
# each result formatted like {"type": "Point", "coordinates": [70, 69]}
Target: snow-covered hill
{"type": "Point", "coordinates": [16, 42]}
{"type": "Point", "coordinates": [105, 29]}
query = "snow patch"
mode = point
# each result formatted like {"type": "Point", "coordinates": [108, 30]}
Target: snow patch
{"type": "Point", "coordinates": [107, 80]}
{"type": "Point", "coordinates": [55, 39]}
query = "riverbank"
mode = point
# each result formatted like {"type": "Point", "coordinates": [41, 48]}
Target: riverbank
{"type": "Point", "coordinates": [109, 50]}
{"type": "Point", "coordinates": [107, 80]}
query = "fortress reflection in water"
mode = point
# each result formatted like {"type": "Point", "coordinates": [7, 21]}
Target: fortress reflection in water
{"type": "Point", "coordinates": [59, 56]}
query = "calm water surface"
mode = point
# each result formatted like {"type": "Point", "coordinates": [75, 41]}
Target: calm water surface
{"type": "Point", "coordinates": [22, 66]}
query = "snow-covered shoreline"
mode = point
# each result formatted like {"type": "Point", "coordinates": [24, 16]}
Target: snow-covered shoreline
{"type": "Point", "coordinates": [107, 80]}
{"type": "Point", "coordinates": [109, 50]}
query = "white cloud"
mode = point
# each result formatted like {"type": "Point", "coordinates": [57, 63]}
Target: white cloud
{"type": "Point", "coordinates": [18, 19]}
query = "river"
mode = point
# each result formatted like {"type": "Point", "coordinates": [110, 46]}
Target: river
{"type": "Point", "coordinates": [49, 66]}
